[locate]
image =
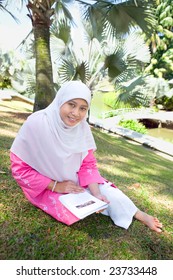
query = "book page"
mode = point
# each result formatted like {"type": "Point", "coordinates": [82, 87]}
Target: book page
{"type": "Point", "coordinates": [82, 204]}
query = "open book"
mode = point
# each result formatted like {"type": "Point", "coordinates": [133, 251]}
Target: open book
{"type": "Point", "coordinates": [82, 204]}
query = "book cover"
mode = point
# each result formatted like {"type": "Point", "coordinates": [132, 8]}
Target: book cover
{"type": "Point", "coordinates": [82, 204]}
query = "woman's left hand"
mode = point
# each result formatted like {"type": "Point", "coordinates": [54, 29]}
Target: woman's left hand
{"type": "Point", "coordinates": [102, 197]}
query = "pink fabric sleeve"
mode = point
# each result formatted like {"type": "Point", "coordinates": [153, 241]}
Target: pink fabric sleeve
{"type": "Point", "coordinates": [88, 172]}
{"type": "Point", "coordinates": [31, 181]}
{"type": "Point", "coordinates": [34, 186]}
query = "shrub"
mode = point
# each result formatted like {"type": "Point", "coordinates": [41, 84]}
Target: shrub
{"type": "Point", "coordinates": [133, 125]}
{"type": "Point", "coordinates": [5, 82]}
{"type": "Point", "coordinates": [167, 102]}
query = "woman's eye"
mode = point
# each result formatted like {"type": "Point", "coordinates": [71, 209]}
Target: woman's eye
{"type": "Point", "coordinates": [72, 105]}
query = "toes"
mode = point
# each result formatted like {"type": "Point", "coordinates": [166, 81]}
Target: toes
{"type": "Point", "coordinates": [157, 223]}
{"type": "Point", "coordinates": [158, 230]}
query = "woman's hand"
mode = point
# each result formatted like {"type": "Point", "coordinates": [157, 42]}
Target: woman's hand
{"type": "Point", "coordinates": [94, 189]}
{"type": "Point", "coordinates": [102, 197]}
{"type": "Point", "coordinates": [66, 187]}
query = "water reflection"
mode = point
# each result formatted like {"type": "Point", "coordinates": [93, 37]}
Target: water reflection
{"type": "Point", "coordinates": [162, 133]}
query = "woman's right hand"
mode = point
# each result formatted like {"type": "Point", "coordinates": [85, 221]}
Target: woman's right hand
{"type": "Point", "coordinates": [66, 187]}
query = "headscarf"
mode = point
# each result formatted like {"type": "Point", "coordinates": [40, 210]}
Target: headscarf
{"type": "Point", "coordinates": [51, 147]}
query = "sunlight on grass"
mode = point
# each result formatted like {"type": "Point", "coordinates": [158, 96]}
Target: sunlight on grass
{"type": "Point", "coordinates": [15, 105]}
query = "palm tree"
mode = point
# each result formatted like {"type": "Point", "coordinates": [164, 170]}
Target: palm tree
{"type": "Point", "coordinates": [40, 13]}
{"type": "Point", "coordinates": [114, 16]}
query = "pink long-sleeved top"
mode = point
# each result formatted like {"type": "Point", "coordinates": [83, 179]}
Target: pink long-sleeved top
{"type": "Point", "coordinates": [34, 186]}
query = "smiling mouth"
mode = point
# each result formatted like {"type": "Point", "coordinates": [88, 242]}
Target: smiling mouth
{"type": "Point", "coordinates": [72, 119]}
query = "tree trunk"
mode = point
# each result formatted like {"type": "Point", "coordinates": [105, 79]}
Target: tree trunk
{"type": "Point", "coordinates": [44, 77]}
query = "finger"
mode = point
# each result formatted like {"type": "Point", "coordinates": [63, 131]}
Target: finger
{"type": "Point", "coordinates": [105, 199]}
{"type": "Point", "coordinates": [100, 211]}
{"type": "Point", "coordinates": [77, 190]}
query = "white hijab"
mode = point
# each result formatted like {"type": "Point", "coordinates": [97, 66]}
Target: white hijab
{"type": "Point", "coordinates": [48, 145]}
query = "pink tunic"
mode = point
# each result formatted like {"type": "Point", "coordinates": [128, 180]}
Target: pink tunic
{"type": "Point", "coordinates": [34, 186]}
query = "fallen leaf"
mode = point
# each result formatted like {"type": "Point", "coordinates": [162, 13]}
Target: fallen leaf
{"type": "Point", "coordinates": [2, 172]}
{"type": "Point", "coordinates": [134, 186]}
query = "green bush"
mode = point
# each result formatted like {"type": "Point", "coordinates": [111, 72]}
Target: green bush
{"type": "Point", "coordinates": [5, 83]}
{"type": "Point", "coordinates": [133, 125]}
{"type": "Point", "coordinates": [167, 102]}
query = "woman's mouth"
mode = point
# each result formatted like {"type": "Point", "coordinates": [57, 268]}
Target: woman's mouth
{"type": "Point", "coordinates": [72, 119]}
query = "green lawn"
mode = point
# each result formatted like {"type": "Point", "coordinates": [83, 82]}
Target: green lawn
{"type": "Point", "coordinates": [28, 233]}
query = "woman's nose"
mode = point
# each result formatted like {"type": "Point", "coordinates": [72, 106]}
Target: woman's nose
{"type": "Point", "coordinates": [75, 112]}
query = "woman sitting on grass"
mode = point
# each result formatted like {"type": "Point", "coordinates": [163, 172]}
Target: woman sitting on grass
{"type": "Point", "coordinates": [53, 155]}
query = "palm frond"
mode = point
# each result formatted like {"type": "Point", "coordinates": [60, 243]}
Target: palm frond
{"type": "Point", "coordinates": [121, 65]}
{"type": "Point", "coordinates": [134, 93]}
{"type": "Point", "coordinates": [129, 55]}
{"type": "Point", "coordinates": [57, 49]}
{"type": "Point", "coordinates": [122, 15]}
{"type": "Point", "coordinates": [92, 14]}
{"type": "Point", "coordinates": [109, 32]}
{"type": "Point", "coordinates": [82, 72]}
{"type": "Point", "coordinates": [61, 29]}
{"type": "Point", "coordinates": [136, 46]}
{"type": "Point", "coordinates": [62, 10]}
{"type": "Point", "coordinates": [142, 13]}
{"type": "Point", "coordinates": [115, 64]}
{"type": "Point", "coordinates": [30, 86]}
{"type": "Point", "coordinates": [133, 98]}
{"type": "Point", "coordinates": [71, 71]}
{"type": "Point", "coordinates": [119, 19]}
{"type": "Point", "coordinates": [66, 71]}
{"type": "Point", "coordinates": [4, 9]}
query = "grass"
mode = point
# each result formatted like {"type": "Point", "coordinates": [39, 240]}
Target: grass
{"type": "Point", "coordinates": [29, 233]}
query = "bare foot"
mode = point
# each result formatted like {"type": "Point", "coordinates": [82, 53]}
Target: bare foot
{"type": "Point", "coordinates": [149, 221]}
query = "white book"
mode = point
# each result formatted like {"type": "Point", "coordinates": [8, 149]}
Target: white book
{"type": "Point", "coordinates": [82, 204]}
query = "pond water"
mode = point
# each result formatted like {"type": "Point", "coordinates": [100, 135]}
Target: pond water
{"type": "Point", "coordinates": [161, 133]}
{"type": "Point", "coordinates": [98, 107]}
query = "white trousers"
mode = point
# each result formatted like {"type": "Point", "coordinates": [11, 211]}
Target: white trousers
{"type": "Point", "coordinates": [121, 209]}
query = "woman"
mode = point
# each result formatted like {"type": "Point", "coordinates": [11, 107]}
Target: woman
{"type": "Point", "coordinates": [53, 154]}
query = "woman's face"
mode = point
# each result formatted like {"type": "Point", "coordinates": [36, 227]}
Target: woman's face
{"type": "Point", "coordinates": [73, 111]}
